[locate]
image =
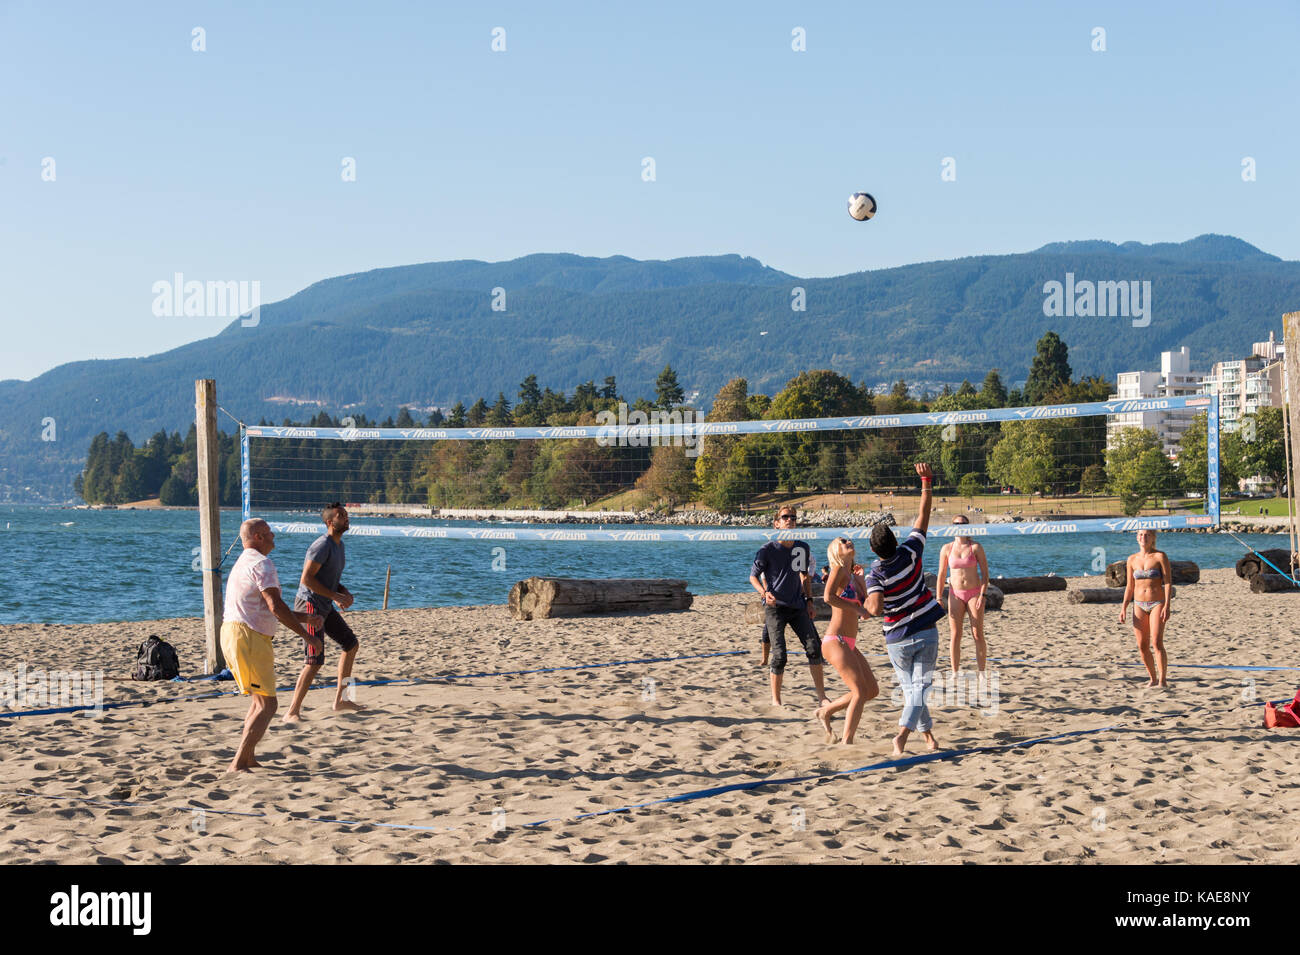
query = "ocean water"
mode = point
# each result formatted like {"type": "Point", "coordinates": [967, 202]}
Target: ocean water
{"type": "Point", "coordinates": [81, 566]}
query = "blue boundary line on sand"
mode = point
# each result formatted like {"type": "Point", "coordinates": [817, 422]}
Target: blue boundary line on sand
{"type": "Point", "coordinates": [410, 681]}
{"type": "Point", "coordinates": [428, 681]}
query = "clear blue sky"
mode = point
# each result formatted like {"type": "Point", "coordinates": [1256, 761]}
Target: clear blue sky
{"type": "Point", "coordinates": [225, 164]}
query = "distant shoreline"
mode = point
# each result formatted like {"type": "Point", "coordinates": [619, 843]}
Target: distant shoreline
{"type": "Point", "coordinates": [1237, 524]}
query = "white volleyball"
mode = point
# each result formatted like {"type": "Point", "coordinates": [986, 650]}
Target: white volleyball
{"type": "Point", "coordinates": [862, 206]}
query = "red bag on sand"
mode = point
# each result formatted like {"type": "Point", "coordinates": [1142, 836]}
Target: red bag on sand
{"type": "Point", "coordinates": [1284, 715]}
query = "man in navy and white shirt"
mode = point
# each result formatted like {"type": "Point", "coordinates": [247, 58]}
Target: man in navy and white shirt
{"type": "Point", "coordinates": [896, 592]}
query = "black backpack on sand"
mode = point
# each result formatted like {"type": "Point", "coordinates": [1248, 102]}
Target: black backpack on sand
{"type": "Point", "coordinates": [157, 660]}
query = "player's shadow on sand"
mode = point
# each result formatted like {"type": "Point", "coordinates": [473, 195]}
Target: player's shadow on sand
{"type": "Point", "coordinates": [455, 771]}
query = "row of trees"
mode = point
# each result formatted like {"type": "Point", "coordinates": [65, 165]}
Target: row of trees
{"type": "Point", "coordinates": [1058, 456]}
{"type": "Point", "coordinates": [165, 467]}
{"type": "Point", "coordinates": [304, 473]}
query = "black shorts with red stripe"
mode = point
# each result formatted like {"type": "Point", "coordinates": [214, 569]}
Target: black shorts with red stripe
{"type": "Point", "coordinates": [335, 627]}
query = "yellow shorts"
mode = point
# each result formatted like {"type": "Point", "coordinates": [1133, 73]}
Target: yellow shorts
{"type": "Point", "coordinates": [250, 658]}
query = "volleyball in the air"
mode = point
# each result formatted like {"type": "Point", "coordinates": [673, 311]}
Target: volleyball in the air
{"type": "Point", "coordinates": [862, 206]}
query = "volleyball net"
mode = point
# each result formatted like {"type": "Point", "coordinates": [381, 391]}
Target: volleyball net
{"type": "Point", "coordinates": [1116, 465]}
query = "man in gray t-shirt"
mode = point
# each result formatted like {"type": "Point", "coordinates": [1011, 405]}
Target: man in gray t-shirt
{"type": "Point", "coordinates": [318, 592]}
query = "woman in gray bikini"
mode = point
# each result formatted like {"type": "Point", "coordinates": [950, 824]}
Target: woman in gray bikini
{"type": "Point", "coordinates": [1148, 572]}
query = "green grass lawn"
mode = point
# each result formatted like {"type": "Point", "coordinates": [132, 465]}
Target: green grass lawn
{"type": "Point", "coordinates": [1276, 507]}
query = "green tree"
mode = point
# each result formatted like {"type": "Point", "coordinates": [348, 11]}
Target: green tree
{"type": "Point", "coordinates": [993, 394]}
{"type": "Point", "coordinates": [585, 397]}
{"type": "Point", "coordinates": [1193, 457]}
{"type": "Point", "coordinates": [955, 449]}
{"type": "Point", "coordinates": [713, 461]}
{"type": "Point", "coordinates": [829, 472]}
{"type": "Point", "coordinates": [812, 394]}
{"type": "Point", "coordinates": [1023, 458]}
{"type": "Point", "coordinates": [671, 475]}
{"type": "Point", "coordinates": [1137, 469]}
{"type": "Point", "coordinates": [128, 484]}
{"type": "Point", "coordinates": [733, 483]}
{"type": "Point", "coordinates": [668, 394]}
{"type": "Point", "coordinates": [1093, 479]}
{"type": "Point", "coordinates": [553, 403]}
{"type": "Point", "coordinates": [1050, 368]}
{"type": "Point", "coordinates": [174, 493]}
{"type": "Point", "coordinates": [969, 485]}
{"type": "Point", "coordinates": [97, 479]}
{"type": "Point", "coordinates": [867, 466]}
{"type": "Point", "coordinates": [499, 414]}
{"type": "Point", "coordinates": [457, 418]}
{"type": "Point", "coordinates": [528, 411]}
{"type": "Point", "coordinates": [1263, 448]}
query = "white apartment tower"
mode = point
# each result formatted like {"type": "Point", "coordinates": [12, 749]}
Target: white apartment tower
{"type": "Point", "coordinates": [1175, 379]}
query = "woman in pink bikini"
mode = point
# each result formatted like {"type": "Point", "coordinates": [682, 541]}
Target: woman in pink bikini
{"type": "Point", "coordinates": [1148, 572]}
{"type": "Point", "coordinates": [968, 569]}
{"type": "Point", "coordinates": [845, 588]}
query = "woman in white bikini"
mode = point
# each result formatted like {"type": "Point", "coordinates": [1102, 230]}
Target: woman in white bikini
{"type": "Point", "coordinates": [1148, 572]}
{"type": "Point", "coordinates": [964, 561]}
{"type": "Point", "coordinates": [845, 588]}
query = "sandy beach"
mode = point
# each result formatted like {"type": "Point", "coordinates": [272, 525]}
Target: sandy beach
{"type": "Point", "coordinates": [457, 771]}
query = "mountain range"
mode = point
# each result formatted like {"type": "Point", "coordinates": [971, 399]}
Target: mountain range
{"type": "Point", "coordinates": [430, 335]}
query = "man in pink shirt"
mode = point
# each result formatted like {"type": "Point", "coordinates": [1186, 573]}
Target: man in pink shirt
{"type": "Point", "coordinates": [252, 606]}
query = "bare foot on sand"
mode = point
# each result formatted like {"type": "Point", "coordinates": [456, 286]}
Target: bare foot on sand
{"type": "Point", "coordinates": [291, 717]}
{"type": "Point", "coordinates": [898, 744]}
{"type": "Point", "coordinates": [347, 705]}
{"type": "Point", "coordinates": [825, 720]}
{"type": "Point", "coordinates": [931, 743]}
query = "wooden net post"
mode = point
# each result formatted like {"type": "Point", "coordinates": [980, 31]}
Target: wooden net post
{"type": "Point", "coordinates": [205, 420]}
{"type": "Point", "coordinates": [1291, 421]}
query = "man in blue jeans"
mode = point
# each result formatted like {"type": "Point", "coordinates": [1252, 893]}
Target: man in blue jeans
{"type": "Point", "coordinates": [897, 593]}
{"type": "Point", "coordinates": [781, 574]}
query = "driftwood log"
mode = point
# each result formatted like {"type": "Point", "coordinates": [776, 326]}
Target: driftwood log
{"type": "Point", "coordinates": [1251, 566]}
{"type": "Point", "coordinates": [993, 597]}
{"type": "Point", "coordinates": [1185, 572]}
{"type": "Point", "coordinates": [1028, 585]}
{"type": "Point", "coordinates": [1268, 583]}
{"type": "Point", "coordinates": [1101, 595]}
{"type": "Point", "coordinates": [538, 598]}
{"type": "Point", "coordinates": [755, 614]}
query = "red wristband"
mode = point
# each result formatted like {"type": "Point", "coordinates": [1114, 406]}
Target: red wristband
{"type": "Point", "coordinates": [927, 480]}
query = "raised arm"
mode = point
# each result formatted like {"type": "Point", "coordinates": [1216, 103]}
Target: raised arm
{"type": "Point", "coordinates": [927, 484]}
{"type": "Point", "coordinates": [832, 592]}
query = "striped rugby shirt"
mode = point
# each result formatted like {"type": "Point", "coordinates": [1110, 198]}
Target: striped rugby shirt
{"type": "Point", "coordinates": [909, 605]}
